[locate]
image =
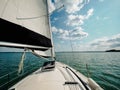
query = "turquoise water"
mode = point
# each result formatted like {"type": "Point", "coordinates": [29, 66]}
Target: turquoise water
{"type": "Point", "coordinates": [103, 67]}
{"type": "Point", "coordinates": [9, 61]}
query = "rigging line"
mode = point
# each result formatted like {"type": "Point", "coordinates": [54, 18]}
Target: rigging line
{"type": "Point", "coordinates": [71, 45]}
{"type": "Point", "coordinates": [88, 71]}
{"type": "Point", "coordinates": [57, 9]}
{"type": "Point", "coordinates": [4, 8]}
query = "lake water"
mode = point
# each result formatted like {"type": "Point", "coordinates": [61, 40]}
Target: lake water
{"type": "Point", "coordinates": [103, 67]}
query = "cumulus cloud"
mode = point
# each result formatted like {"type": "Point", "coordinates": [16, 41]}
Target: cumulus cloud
{"type": "Point", "coordinates": [106, 42]}
{"type": "Point", "coordinates": [71, 6]}
{"type": "Point", "coordinates": [75, 34]}
{"type": "Point", "coordinates": [100, 44]}
{"type": "Point", "coordinates": [78, 33]}
{"type": "Point", "coordinates": [77, 20]}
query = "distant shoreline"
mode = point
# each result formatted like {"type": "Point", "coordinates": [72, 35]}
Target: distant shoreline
{"type": "Point", "coordinates": [79, 51]}
{"type": "Point", "coordinates": [113, 50]}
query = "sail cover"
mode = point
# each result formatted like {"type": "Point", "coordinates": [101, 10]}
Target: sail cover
{"type": "Point", "coordinates": [25, 22]}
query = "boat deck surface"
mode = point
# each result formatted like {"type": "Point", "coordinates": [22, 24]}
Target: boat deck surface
{"type": "Point", "coordinates": [59, 78]}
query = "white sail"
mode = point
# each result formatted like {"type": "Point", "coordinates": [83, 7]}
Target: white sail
{"type": "Point", "coordinates": [31, 14]}
{"type": "Point", "coordinates": [25, 24]}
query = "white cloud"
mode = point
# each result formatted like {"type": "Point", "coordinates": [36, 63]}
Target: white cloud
{"type": "Point", "coordinates": [100, 44]}
{"type": "Point", "coordinates": [77, 20]}
{"type": "Point", "coordinates": [75, 34]}
{"type": "Point", "coordinates": [71, 6]}
{"type": "Point", "coordinates": [60, 33]}
{"type": "Point", "coordinates": [54, 30]}
{"type": "Point", "coordinates": [89, 13]}
{"type": "Point", "coordinates": [78, 33]}
{"type": "Point", "coordinates": [106, 42]}
{"type": "Point", "coordinates": [51, 6]}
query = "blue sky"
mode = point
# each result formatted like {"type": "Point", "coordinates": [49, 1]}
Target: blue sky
{"type": "Point", "coordinates": [89, 25]}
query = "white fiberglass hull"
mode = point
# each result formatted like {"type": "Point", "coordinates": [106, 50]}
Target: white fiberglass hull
{"type": "Point", "coordinates": [62, 77]}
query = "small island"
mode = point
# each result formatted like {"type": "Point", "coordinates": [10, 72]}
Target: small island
{"type": "Point", "coordinates": [112, 50]}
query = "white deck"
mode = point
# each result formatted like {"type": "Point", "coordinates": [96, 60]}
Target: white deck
{"type": "Point", "coordinates": [51, 80]}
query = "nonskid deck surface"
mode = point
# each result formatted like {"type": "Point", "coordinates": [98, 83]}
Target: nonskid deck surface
{"type": "Point", "coordinates": [59, 78]}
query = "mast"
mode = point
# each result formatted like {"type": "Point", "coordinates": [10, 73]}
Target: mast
{"type": "Point", "coordinates": [52, 49]}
